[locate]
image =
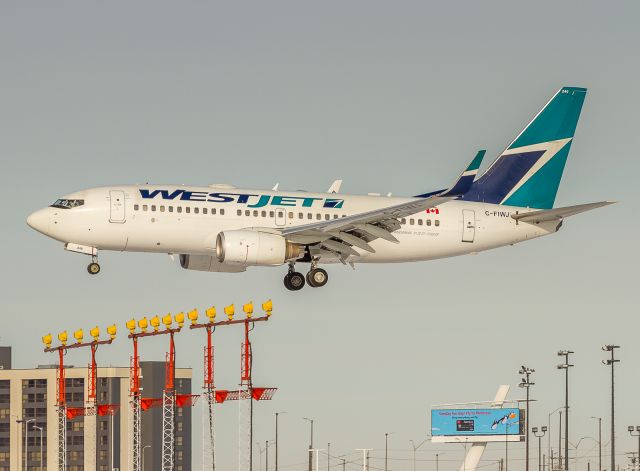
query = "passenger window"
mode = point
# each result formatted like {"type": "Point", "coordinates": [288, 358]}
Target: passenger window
{"type": "Point", "coordinates": [300, 215]}
{"type": "Point", "coordinates": [204, 210]}
{"type": "Point", "coordinates": [239, 212]}
{"type": "Point", "coordinates": [222, 212]}
{"type": "Point", "coordinates": [187, 209]}
{"type": "Point", "coordinates": [255, 213]}
{"type": "Point", "coordinates": [344, 215]}
{"type": "Point", "coordinates": [153, 207]}
{"type": "Point", "coordinates": [327, 217]}
{"type": "Point", "coordinates": [263, 214]}
{"type": "Point", "coordinates": [170, 209]}
{"type": "Point", "coordinates": [280, 214]}
{"type": "Point", "coordinates": [179, 209]}
{"type": "Point", "coordinates": [428, 222]}
{"type": "Point", "coordinates": [319, 217]}
{"type": "Point", "coordinates": [247, 212]}
{"type": "Point", "coordinates": [411, 221]}
{"type": "Point", "coordinates": [309, 216]}
{"type": "Point", "coordinates": [437, 222]}
{"type": "Point", "coordinates": [162, 209]}
{"type": "Point", "coordinates": [136, 207]}
{"type": "Point", "coordinates": [196, 210]}
{"type": "Point", "coordinates": [213, 211]}
{"type": "Point", "coordinates": [403, 221]}
{"type": "Point", "coordinates": [335, 216]}
{"type": "Point", "coordinates": [145, 207]}
{"type": "Point", "coordinates": [290, 215]}
{"type": "Point", "coordinates": [419, 222]}
{"type": "Point", "coordinates": [271, 214]}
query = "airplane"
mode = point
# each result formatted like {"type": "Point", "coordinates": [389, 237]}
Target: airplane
{"type": "Point", "coordinates": [221, 228]}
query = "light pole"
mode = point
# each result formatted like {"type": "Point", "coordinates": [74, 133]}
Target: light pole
{"type": "Point", "coordinates": [277, 414]}
{"type": "Point", "coordinates": [142, 454]}
{"type": "Point", "coordinates": [415, 448]}
{"type": "Point", "coordinates": [25, 450]}
{"type": "Point", "coordinates": [637, 429]}
{"type": "Point", "coordinates": [328, 455]}
{"type": "Point", "coordinates": [611, 362]}
{"type": "Point", "coordinates": [549, 436]}
{"type": "Point", "coordinates": [310, 444]}
{"type": "Point", "coordinates": [39, 429]}
{"type": "Point", "coordinates": [599, 442]}
{"type": "Point", "coordinates": [543, 430]}
{"type": "Point", "coordinates": [526, 383]}
{"type": "Point", "coordinates": [386, 448]}
{"type": "Point", "coordinates": [565, 366]}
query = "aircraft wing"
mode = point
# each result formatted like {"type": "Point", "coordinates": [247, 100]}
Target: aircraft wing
{"type": "Point", "coordinates": [338, 237]}
{"type": "Point", "coordinates": [558, 213]}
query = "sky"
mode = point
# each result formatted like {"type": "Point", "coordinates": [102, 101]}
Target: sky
{"type": "Point", "coordinates": [389, 96]}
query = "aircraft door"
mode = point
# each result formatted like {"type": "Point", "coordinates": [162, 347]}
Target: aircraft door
{"type": "Point", "coordinates": [468, 225]}
{"type": "Point", "coordinates": [281, 217]}
{"type": "Point", "coordinates": [117, 214]}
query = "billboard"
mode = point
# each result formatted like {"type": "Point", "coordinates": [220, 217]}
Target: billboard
{"type": "Point", "coordinates": [475, 422]}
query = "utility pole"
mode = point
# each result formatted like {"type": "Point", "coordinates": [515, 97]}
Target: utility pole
{"type": "Point", "coordinates": [565, 366]}
{"type": "Point", "coordinates": [277, 414]}
{"type": "Point", "coordinates": [310, 444]}
{"type": "Point", "coordinates": [526, 383]}
{"type": "Point", "coordinates": [611, 362]}
{"type": "Point", "coordinates": [328, 455]}
{"type": "Point", "coordinates": [386, 449]}
{"type": "Point", "coordinates": [560, 441]}
{"type": "Point", "coordinates": [365, 458]}
{"type": "Point", "coordinates": [599, 442]}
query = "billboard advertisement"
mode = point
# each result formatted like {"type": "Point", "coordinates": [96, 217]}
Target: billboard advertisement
{"type": "Point", "coordinates": [475, 422]}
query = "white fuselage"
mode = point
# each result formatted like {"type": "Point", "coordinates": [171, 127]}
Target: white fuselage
{"type": "Point", "coordinates": [187, 220]}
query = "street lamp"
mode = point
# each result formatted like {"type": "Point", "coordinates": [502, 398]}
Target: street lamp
{"type": "Point", "coordinates": [599, 442]}
{"type": "Point", "coordinates": [386, 448]}
{"type": "Point", "coordinates": [565, 366]}
{"type": "Point", "coordinates": [611, 362]}
{"type": "Point", "coordinates": [526, 383]}
{"type": "Point", "coordinates": [543, 430]}
{"type": "Point", "coordinates": [277, 414]}
{"type": "Point", "coordinates": [415, 448]}
{"type": "Point", "coordinates": [631, 429]}
{"type": "Point", "coordinates": [310, 444]}
{"type": "Point", "coordinates": [549, 436]}
{"type": "Point", "coordinates": [40, 429]}
{"type": "Point", "coordinates": [25, 449]}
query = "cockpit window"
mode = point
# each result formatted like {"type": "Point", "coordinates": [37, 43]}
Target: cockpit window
{"type": "Point", "coordinates": [67, 204]}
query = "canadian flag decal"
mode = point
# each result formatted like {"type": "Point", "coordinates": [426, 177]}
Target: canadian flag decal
{"type": "Point", "coordinates": [432, 211]}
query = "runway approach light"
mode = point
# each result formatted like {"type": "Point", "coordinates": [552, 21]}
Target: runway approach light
{"type": "Point", "coordinates": [63, 337]}
{"type": "Point", "coordinates": [167, 321]}
{"type": "Point", "coordinates": [143, 324]}
{"type": "Point", "coordinates": [193, 316]}
{"type": "Point", "coordinates": [95, 333]}
{"type": "Point", "coordinates": [230, 310]}
{"type": "Point", "coordinates": [131, 325]}
{"type": "Point", "coordinates": [155, 323]}
{"type": "Point", "coordinates": [78, 335]}
{"type": "Point", "coordinates": [248, 309]}
{"type": "Point", "coordinates": [180, 319]}
{"type": "Point", "coordinates": [267, 307]}
{"type": "Point", "coordinates": [211, 314]}
{"type": "Point", "coordinates": [111, 330]}
{"type": "Point", "coordinates": [47, 339]}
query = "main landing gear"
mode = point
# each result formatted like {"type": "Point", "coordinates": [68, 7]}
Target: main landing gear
{"type": "Point", "coordinates": [94, 267]}
{"type": "Point", "coordinates": [316, 277]}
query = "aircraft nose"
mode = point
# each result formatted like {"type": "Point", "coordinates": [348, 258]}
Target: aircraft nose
{"type": "Point", "coordinates": [39, 220]}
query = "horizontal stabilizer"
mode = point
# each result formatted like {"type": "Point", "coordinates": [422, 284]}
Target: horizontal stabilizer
{"type": "Point", "coordinates": [558, 213]}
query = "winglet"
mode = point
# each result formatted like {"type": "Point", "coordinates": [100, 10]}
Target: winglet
{"type": "Point", "coordinates": [335, 187]}
{"type": "Point", "coordinates": [464, 182]}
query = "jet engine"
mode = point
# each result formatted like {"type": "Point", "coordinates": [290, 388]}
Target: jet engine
{"type": "Point", "coordinates": [207, 263]}
{"type": "Point", "coordinates": [244, 247]}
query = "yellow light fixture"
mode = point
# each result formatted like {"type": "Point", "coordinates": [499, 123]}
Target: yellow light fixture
{"type": "Point", "coordinates": [47, 339]}
{"type": "Point", "coordinates": [248, 308]}
{"type": "Point", "coordinates": [143, 324]}
{"type": "Point", "coordinates": [95, 333]}
{"type": "Point", "coordinates": [155, 322]}
{"type": "Point", "coordinates": [193, 316]}
{"type": "Point", "coordinates": [63, 337]}
{"type": "Point", "coordinates": [78, 335]}
{"type": "Point", "coordinates": [167, 321]}
{"type": "Point", "coordinates": [211, 314]}
{"type": "Point", "coordinates": [180, 319]}
{"type": "Point", "coordinates": [267, 307]}
{"type": "Point", "coordinates": [111, 330]}
{"type": "Point", "coordinates": [131, 325]}
{"type": "Point", "coordinates": [230, 310]}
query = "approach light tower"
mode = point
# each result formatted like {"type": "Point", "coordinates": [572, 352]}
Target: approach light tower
{"type": "Point", "coordinates": [61, 396]}
{"type": "Point", "coordinates": [168, 400]}
{"type": "Point", "coordinates": [209, 386]}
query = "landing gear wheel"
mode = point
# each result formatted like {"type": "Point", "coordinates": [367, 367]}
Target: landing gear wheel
{"type": "Point", "coordinates": [93, 268]}
{"type": "Point", "coordinates": [317, 277]}
{"type": "Point", "coordinates": [294, 281]}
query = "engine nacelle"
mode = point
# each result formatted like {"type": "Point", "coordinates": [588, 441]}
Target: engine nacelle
{"type": "Point", "coordinates": [207, 263]}
{"type": "Point", "coordinates": [243, 247]}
